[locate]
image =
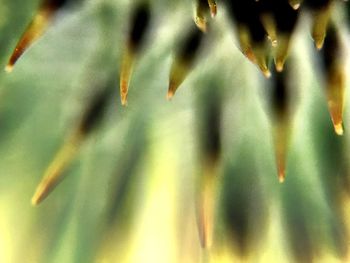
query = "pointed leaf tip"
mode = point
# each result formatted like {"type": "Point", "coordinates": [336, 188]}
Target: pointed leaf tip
{"type": "Point", "coordinates": [9, 68]}
{"type": "Point", "coordinates": [338, 128]}
{"type": "Point", "coordinates": [170, 94]}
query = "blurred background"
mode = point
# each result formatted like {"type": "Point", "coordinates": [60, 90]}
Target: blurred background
{"type": "Point", "coordinates": [130, 193]}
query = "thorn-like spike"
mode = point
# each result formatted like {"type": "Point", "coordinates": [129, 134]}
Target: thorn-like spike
{"type": "Point", "coordinates": [245, 43]}
{"type": "Point", "coordinates": [184, 60]}
{"type": "Point", "coordinates": [9, 68]}
{"type": "Point", "coordinates": [335, 97]}
{"type": "Point", "coordinates": [213, 7]}
{"type": "Point", "coordinates": [178, 72]}
{"type": "Point", "coordinates": [280, 106]}
{"type": "Point", "coordinates": [320, 23]}
{"type": "Point", "coordinates": [249, 54]}
{"type": "Point", "coordinates": [88, 122]}
{"type": "Point", "coordinates": [140, 21]}
{"type": "Point", "coordinates": [282, 51]}
{"type": "Point", "coordinates": [55, 172]}
{"type": "Point", "coordinates": [270, 27]}
{"type": "Point", "coordinates": [334, 67]}
{"type": "Point", "coordinates": [205, 217]}
{"type": "Point", "coordinates": [261, 60]}
{"type": "Point", "coordinates": [286, 19]}
{"type": "Point", "coordinates": [125, 74]}
{"type": "Point", "coordinates": [279, 65]}
{"type": "Point", "coordinates": [266, 72]}
{"type": "Point", "coordinates": [201, 23]}
{"type": "Point", "coordinates": [281, 141]}
{"type": "Point", "coordinates": [281, 174]}
{"type": "Point", "coordinates": [256, 54]}
{"type": "Point", "coordinates": [33, 32]}
{"type": "Point", "coordinates": [206, 204]}
{"type": "Point", "coordinates": [200, 16]}
{"type": "Point", "coordinates": [170, 93]}
{"type": "Point", "coordinates": [319, 42]}
{"type": "Point", "coordinates": [295, 4]}
{"type": "Point", "coordinates": [209, 135]}
{"type": "Point", "coordinates": [339, 129]}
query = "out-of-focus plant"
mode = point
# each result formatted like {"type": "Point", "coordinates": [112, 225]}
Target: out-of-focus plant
{"type": "Point", "coordinates": [260, 93]}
